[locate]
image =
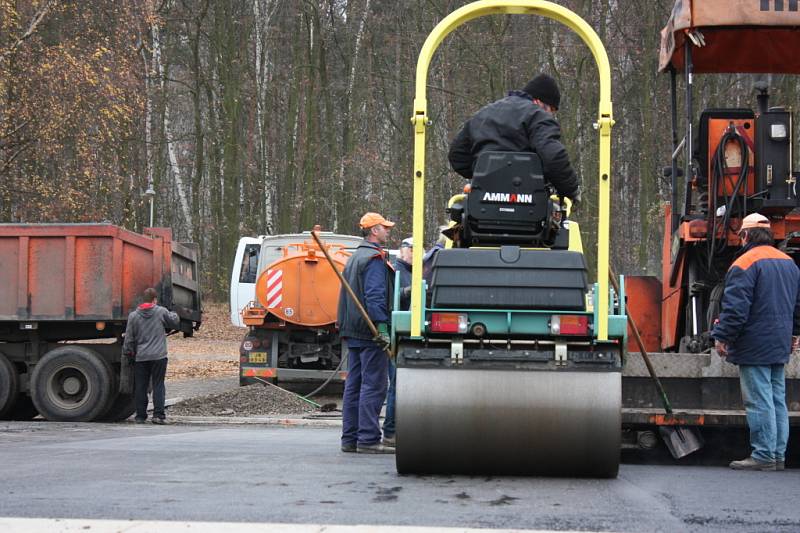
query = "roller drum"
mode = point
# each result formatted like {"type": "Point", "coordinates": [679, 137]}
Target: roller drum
{"type": "Point", "coordinates": [511, 422]}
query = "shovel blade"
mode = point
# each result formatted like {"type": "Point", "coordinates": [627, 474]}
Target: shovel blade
{"type": "Point", "coordinates": [681, 440]}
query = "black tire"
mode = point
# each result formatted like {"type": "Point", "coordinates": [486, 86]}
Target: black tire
{"type": "Point", "coordinates": [122, 407]}
{"type": "Point", "coordinates": [72, 384]}
{"type": "Point", "coordinates": [9, 387]}
{"type": "Point", "coordinates": [23, 409]}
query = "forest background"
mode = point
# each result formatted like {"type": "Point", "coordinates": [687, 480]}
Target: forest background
{"type": "Point", "coordinates": [250, 117]}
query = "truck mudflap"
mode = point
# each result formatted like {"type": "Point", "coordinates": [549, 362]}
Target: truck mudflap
{"type": "Point", "coordinates": [702, 388]}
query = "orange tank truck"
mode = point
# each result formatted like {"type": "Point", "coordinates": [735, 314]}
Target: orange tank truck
{"type": "Point", "coordinates": [292, 331]}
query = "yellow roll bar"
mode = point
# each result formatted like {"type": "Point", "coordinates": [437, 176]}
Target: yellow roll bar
{"type": "Point", "coordinates": [604, 123]}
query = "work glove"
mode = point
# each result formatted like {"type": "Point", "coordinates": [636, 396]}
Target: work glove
{"type": "Point", "coordinates": [382, 339]}
{"type": "Point", "coordinates": [576, 198]}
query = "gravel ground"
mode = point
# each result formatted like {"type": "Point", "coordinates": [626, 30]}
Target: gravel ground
{"type": "Point", "coordinates": [192, 388]}
{"type": "Point", "coordinates": [203, 371]}
{"type": "Point", "coordinates": [255, 400]}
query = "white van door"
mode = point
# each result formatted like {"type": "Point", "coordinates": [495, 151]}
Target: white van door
{"type": "Point", "coordinates": [243, 277]}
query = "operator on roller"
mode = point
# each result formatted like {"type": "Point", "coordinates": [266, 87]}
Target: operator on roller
{"type": "Point", "coordinates": [372, 279]}
{"type": "Point", "coordinates": [523, 121]}
{"type": "Point", "coordinates": [760, 314]}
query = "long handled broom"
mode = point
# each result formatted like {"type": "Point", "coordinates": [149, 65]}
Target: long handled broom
{"type": "Point", "coordinates": [680, 440]}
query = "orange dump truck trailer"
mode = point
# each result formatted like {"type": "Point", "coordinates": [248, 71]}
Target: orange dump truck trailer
{"type": "Point", "coordinates": [65, 283]}
{"type": "Point", "coordinates": [291, 316]}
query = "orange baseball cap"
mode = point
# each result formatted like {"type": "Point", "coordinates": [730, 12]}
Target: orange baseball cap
{"type": "Point", "coordinates": [755, 220]}
{"type": "Point", "coordinates": [373, 219]}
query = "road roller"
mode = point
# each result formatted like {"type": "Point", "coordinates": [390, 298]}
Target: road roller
{"type": "Point", "coordinates": [510, 362]}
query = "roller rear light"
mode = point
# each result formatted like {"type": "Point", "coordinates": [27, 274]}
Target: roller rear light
{"type": "Point", "coordinates": [569, 325]}
{"type": "Point", "coordinates": [449, 323]}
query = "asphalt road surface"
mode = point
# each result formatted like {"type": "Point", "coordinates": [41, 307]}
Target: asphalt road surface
{"type": "Point", "coordinates": [299, 476]}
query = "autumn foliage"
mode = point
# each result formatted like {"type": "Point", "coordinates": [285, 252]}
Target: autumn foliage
{"type": "Point", "coordinates": [251, 117]}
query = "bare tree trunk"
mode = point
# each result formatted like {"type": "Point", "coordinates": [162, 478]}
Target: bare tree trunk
{"type": "Point", "coordinates": [173, 159]}
{"type": "Point", "coordinates": [148, 120]}
{"type": "Point", "coordinates": [347, 135]}
{"type": "Point", "coordinates": [263, 10]}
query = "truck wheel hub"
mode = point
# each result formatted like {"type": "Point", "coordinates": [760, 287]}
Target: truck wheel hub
{"type": "Point", "coordinates": [72, 385]}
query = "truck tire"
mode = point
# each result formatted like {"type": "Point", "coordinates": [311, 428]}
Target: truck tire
{"type": "Point", "coordinates": [122, 407]}
{"type": "Point", "coordinates": [72, 384]}
{"type": "Point", "coordinates": [9, 387]}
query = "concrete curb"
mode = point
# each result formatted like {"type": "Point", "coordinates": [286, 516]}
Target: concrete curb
{"type": "Point", "coordinates": [288, 421]}
{"type": "Point", "coordinates": [50, 525]}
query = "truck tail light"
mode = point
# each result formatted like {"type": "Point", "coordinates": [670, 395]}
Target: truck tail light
{"type": "Point", "coordinates": [569, 325]}
{"type": "Point", "coordinates": [449, 323]}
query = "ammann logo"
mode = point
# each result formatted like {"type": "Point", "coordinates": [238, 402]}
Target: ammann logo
{"type": "Point", "coordinates": [508, 198]}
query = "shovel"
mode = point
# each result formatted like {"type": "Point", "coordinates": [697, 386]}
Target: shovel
{"type": "Point", "coordinates": [680, 440]}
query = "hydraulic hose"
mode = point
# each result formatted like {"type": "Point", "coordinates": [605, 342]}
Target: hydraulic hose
{"type": "Point", "coordinates": [719, 173]}
{"type": "Point", "coordinates": [325, 383]}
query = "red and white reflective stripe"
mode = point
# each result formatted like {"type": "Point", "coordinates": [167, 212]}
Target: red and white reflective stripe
{"type": "Point", "coordinates": [274, 288]}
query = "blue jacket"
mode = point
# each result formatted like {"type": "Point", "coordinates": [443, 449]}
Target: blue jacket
{"type": "Point", "coordinates": [372, 280]}
{"type": "Point", "coordinates": [760, 307]}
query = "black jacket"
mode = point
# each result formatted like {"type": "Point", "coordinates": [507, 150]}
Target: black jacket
{"type": "Point", "coordinates": [515, 124]}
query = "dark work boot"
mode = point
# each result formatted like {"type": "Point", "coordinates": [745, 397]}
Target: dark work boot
{"type": "Point", "coordinates": [374, 448]}
{"type": "Point", "coordinates": [349, 447]}
{"type": "Point", "coordinates": [752, 464]}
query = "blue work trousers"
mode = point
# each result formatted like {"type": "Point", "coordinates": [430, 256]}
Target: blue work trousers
{"type": "Point", "coordinates": [364, 393]}
{"type": "Point", "coordinates": [388, 422]}
{"type": "Point", "coordinates": [764, 396]}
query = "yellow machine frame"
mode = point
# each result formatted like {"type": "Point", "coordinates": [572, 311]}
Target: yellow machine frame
{"type": "Point", "coordinates": [604, 124]}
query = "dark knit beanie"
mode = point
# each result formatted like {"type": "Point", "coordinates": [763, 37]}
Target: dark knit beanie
{"type": "Point", "coordinates": [544, 88]}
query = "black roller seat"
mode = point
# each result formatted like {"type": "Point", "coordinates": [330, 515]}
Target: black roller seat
{"type": "Point", "coordinates": [509, 202]}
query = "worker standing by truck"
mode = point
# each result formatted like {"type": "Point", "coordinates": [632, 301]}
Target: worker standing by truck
{"type": "Point", "coordinates": [145, 340]}
{"type": "Point", "coordinates": [760, 313]}
{"type": "Point", "coordinates": [372, 278]}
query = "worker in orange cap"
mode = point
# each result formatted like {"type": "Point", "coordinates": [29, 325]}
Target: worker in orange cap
{"type": "Point", "coordinates": [372, 278]}
{"type": "Point", "coordinates": [760, 314]}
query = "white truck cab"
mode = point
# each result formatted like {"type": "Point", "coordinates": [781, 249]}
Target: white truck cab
{"type": "Point", "coordinates": [244, 275]}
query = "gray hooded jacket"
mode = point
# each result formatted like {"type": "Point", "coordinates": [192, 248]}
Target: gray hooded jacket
{"type": "Point", "coordinates": [145, 335]}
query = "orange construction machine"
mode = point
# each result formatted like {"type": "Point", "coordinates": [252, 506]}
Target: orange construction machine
{"type": "Point", "coordinates": [735, 161]}
{"type": "Point", "coordinates": [291, 317]}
